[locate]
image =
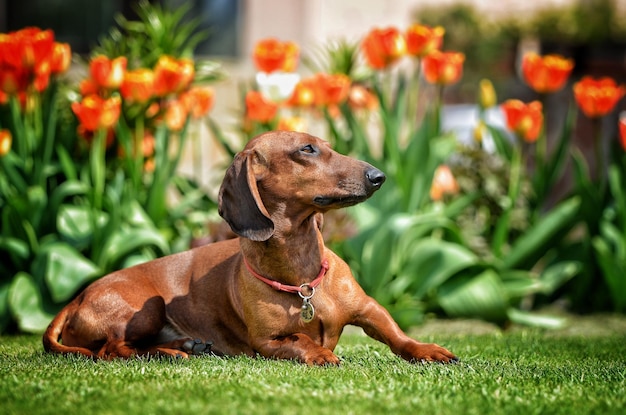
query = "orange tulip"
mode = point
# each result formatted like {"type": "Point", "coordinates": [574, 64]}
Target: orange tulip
{"type": "Point", "coordinates": [546, 74]}
{"type": "Point", "coordinates": [27, 48]}
{"type": "Point", "coordinates": [382, 47]}
{"type": "Point", "coordinates": [176, 114]}
{"type": "Point", "coordinates": [87, 87]}
{"type": "Point", "coordinates": [95, 112]}
{"type": "Point", "coordinates": [148, 144]}
{"type": "Point", "coordinates": [303, 94]}
{"type": "Point", "coordinates": [108, 73]}
{"type": "Point", "coordinates": [597, 97]}
{"type": "Point", "coordinates": [199, 101]}
{"type": "Point", "coordinates": [25, 58]}
{"type": "Point", "coordinates": [172, 75]}
{"type": "Point", "coordinates": [271, 55]}
{"type": "Point", "coordinates": [292, 54]}
{"type": "Point", "coordinates": [622, 130]}
{"type": "Point", "coordinates": [13, 81]}
{"type": "Point", "coordinates": [331, 89]}
{"type": "Point", "coordinates": [443, 68]}
{"type": "Point", "coordinates": [61, 58]}
{"type": "Point", "coordinates": [5, 141]}
{"type": "Point", "coordinates": [443, 184]}
{"type": "Point", "coordinates": [292, 124]}
{"type": "Point", "coordinates": [362, 98]}
{"type": "Point", "coordinates": [258, 108]}
{"type": "Point", "coordinates": [526, 120]}
{"type": "Point", "coordinates": [422, 40]}
{"type": "Point", "coordinates": [138, 85]}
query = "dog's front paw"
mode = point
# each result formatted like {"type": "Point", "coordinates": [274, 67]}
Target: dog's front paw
{"type": "Point", "coordinates": [321, 357]}
{"type": "Point", "coordinates": [428, 352]}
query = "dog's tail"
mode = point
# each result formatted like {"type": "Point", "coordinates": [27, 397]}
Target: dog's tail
{"type": "Point", "coordinates": [53, 334]}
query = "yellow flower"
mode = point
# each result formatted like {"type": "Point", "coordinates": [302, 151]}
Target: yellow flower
{"type": "Point", "coordinates": [486, 94]}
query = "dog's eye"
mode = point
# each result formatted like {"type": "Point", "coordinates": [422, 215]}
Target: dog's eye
{"type": "Point", "coordinates": [308, 149]}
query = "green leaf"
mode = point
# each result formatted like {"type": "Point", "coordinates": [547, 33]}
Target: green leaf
{"type": "Point", "coordinates": [617, 185]}
{"type": "Point", "coordinates": [26, 305]}
{"type": "Point", "coordinates": [520, 283]}
{"type": "Point", "coordinates": [482, 296]}
{"type": "Point", "coordinates": [613, 271]}
{"type": "Point", "coordinates": [429, 263]}
{"type": "Point", "coordinates": [535, 242]}
{"type": "Point", "coordinates": [67, 164]}
{"type": "Point", "coordinates": [5, 312]}
{"type": "Point", "coordinates": [553, 277]}
{"type": "Point", "coordinates": [504, 147]}
{"type": "Point", "coordinates": [67, 270]}
{"type": "Point", "coordinates": [556, 165]}
{"type": "Point", "coordinates": [76, 224]}
{"type": "Point", "coordinates": [138, 258]}
{"type": "Point", "coordinates": [65, 190]}
{"type": "Point", "coordinates": [127, 241]}
{"type": "Point", "coordinates": [536, 320]}
{"type": "Point", "coordinates": [376, 256]}
{"type": "Point", "coordinates": [501, 232]}
{"type": "Point", "coordinates": [14, 246]}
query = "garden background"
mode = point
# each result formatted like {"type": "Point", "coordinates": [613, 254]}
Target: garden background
{"type": "Point", "coordinates": [500, 137]}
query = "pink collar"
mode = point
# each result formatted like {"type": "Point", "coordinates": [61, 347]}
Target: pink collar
{"type": "Point", "coordinates": [291, 288]}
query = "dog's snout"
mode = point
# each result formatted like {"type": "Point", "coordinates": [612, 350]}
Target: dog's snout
{"type": "Point", "coordinates": [375, 177]}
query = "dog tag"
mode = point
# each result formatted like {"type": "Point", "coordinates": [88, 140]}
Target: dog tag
{"type": "Point", "coordinates": [307, 312]}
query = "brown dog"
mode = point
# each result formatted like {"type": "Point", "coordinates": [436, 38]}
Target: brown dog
{"type": "Point", "coordinates": [276, 291]}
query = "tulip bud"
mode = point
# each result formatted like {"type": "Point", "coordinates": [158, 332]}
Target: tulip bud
{"type": "Point", "coordinates": [486, 94]}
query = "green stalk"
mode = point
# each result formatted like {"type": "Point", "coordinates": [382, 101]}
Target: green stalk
{"type": "Point", "coordinates": [19, 144]}
{"type": "Point", "coordinates": [49, 138]}
{"type": "Point", "coordinates": [501, 232]}
{"type": "Point", "coordinates": [138, 157]}
{"type": "Point", "coordinates": [598, 154]}
{"type": "Point", "coordinates": [98, 166]}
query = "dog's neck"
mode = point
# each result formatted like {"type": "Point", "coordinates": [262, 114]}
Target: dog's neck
{"type": "Point", "coordinates": [287, 256]}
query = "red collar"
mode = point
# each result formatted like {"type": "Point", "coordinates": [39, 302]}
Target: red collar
{"type": "Point", "coordinates": [290, 288]}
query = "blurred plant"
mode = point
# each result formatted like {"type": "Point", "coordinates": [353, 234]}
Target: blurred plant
{"type": "Point", "coordinates": [603, 243]}
{"type": "Point", "coordinates": [82, 198]}
{"type": "Point", "coordinates": [545, 75]}
{"type": "Point", "coordinates": [31, 183]}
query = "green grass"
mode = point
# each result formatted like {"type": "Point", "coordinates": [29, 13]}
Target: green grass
{"type": "Point", "coordinates": [519, 372]}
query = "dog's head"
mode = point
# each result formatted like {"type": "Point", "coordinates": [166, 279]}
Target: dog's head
{"type": "Point", "coordinates": [291, 174]}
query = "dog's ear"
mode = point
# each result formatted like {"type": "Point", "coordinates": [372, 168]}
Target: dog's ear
{"type": "Point", "coordinates": [239, 202]}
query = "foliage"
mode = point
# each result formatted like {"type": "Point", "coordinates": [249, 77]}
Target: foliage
{"type": "Point", "coordinates": [518, 372]}
{"type": "Point", "coordinates": [81, 199]}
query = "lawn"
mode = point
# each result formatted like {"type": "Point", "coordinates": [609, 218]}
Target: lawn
{"type": "Point", "coordinates": [578, 370]}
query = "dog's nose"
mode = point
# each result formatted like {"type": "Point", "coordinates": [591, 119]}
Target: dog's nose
{"type": "Point", "coordinates": [375, 177]}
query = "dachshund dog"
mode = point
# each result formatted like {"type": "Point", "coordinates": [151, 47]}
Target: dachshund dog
{"type": "Point", "coordinates": [276, 291]}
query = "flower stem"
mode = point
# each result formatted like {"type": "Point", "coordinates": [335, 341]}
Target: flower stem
{"type": "Point", "coordinates": [598, 153]}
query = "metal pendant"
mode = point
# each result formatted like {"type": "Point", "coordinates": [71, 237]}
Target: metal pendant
{"type": "Point", "coordinates": [307, 312]}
